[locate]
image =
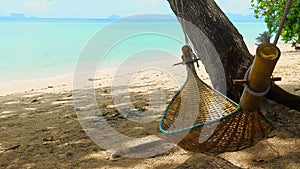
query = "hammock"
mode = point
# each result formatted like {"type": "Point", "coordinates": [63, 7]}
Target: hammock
{"type": "Point", "coordinates": [200, 119]}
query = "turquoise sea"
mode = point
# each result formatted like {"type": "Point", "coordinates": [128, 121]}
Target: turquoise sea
{"type": "Point", "coordinates": [32, 49]}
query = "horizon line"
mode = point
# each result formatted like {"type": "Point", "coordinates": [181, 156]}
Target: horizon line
{"type": "Point", "coordinates": [21, 16]}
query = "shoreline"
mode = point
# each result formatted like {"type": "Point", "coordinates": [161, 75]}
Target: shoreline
{"type": "Point", "coordinates": [51, 84]}
{"type": "Point", "coordinates": [286, 68]}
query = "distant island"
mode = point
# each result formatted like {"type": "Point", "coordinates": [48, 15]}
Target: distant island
{"type": "Point", "coordinates": [17, 16]}
{"type": "Point", "coordinates": [21, 16]}
{"type": "Point", "coordinates": [114, 17]}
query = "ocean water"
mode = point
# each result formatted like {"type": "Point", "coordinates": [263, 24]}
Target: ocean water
{"type": "Point", "coordinates": [250, 30]}
{"type": "Point", "coordinates": [42, 49]}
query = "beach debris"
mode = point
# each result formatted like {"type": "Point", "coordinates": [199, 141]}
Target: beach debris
{"type": "Point", "coordinates": [34, 100]}
{"type": "Point", "coordinates": [296, 89]}
{"type": "Point", "coordinates": [104, 105]}
{"type": "Point", "coordinates": [115, 114]}
{"type": "Point", "coordinates": [99, 114]}
{"type": "Point", "coordinates": [115, 156]}
{"type": "Point", "coordinates": [30, 109]}
{"type": "Point", "coordinates": [110, 118]}
{"type": "Point", "coordinates": [125, 115]}
{"type": "Point", "coordinates": [104, 90]}
{"type": "Point", "coordinates": [91, 79]}
{"type": "Point", "coordinates": [66, 116]}
{"type": "Point", "coordinates": [30, 149]}
{"type": "Point", "coordinates": [64, 99]}
{"type": "Point", "coordinates": [102, 113]}
{"type": "Point", "coordinates": [52, 150]}
{"type": "Point", "coordinates": [77, 142]}
{"type": "Point", "coordinates": [10, 148]}
{"type": "Point", "coordinates": [144, 78]}
{"type": "Point", "coordinates": [139, 108]}
{"type": "Point", "coordinates": [41, 110]}
{"type": "Point", "coordinates": [96, 120]}
{"type": "Point", "coordinates": [51, 138]}
{"type": "Point", "coordinates": [78, 109]}
{"type": "Point", "coordinates": [50, 87]}
{"type": "Point", "coordinates": [110, 106]}
{"type": "Point", "coordinates": [258, 160]}
{"type": "Point", "coordinates": [69, 154]}
{"type": "Point", "coordinates": [44, 129]}
{"type": "Point", "coordinates": [74, 158]}
{"type": "Point", "coordinates": [11, 102]}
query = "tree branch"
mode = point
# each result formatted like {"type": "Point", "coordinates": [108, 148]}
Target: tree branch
{"type": "Point", "coordinates": [281, 96]}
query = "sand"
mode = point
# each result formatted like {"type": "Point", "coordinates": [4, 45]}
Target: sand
{"type": "Point", "coordinates": [40, 128]}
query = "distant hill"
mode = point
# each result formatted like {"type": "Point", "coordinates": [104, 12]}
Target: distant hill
{"type": "Point", "coordinates": [113, 17]}
{"type": "Point", "coordinates": [14, 16]}
{"type": "Point", "coordinates": [17, 16]}
{"type": "Point", "coordinates": [144, 17]}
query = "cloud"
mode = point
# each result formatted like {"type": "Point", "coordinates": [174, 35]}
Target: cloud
{"type": "Point", "coordinates": [36, 4]}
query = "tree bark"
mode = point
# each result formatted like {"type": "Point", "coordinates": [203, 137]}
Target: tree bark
{"type": "Point", "coordinates": [208, 18]}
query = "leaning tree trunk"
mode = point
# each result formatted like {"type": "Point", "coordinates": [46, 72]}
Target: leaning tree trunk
{"type": "Point", "coordinates": [208, 18]}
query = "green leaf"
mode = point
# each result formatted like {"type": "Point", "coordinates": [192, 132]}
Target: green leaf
{"type": "Point", "coordinates": [272, 11]}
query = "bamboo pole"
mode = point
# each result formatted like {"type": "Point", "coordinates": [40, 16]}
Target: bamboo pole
{"type": "Point", "coordinates": [187, 57]}
{"type": "Point", "coordinates": [259, 77]}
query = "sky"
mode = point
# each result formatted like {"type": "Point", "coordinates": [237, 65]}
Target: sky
{"type": "Point", "coordinates": [102, 8]}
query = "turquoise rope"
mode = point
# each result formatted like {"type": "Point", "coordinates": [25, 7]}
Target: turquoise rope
{"type": "Point", "coordinates": [199, 125]}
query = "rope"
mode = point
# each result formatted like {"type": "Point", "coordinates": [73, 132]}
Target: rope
{"type": "Point", "coordinates": [183, 26]}
{"type": "Point", "coordinates": [181, 18]}
{"type": "Point", "coordinates": [252, 92]}
{"type": "Point", "coordinates": [183, 23]}
{"type": "Point", "coordinates": [286, 12]}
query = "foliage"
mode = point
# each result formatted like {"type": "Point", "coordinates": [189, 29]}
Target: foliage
{"type": "Point", "coordinates": [264, 38]}
{"type": "Point", "coordinates": [272, 11]}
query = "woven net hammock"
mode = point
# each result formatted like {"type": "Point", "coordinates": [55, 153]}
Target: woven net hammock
{"type": "Point", "coordinates": [200, 119]}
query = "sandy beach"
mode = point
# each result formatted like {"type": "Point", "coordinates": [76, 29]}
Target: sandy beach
{"type": "Point", "coordinates": [40, 128]}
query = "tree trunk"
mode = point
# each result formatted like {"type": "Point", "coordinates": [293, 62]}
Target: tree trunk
{"type": "Point", "coordinates": [212, 26]}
